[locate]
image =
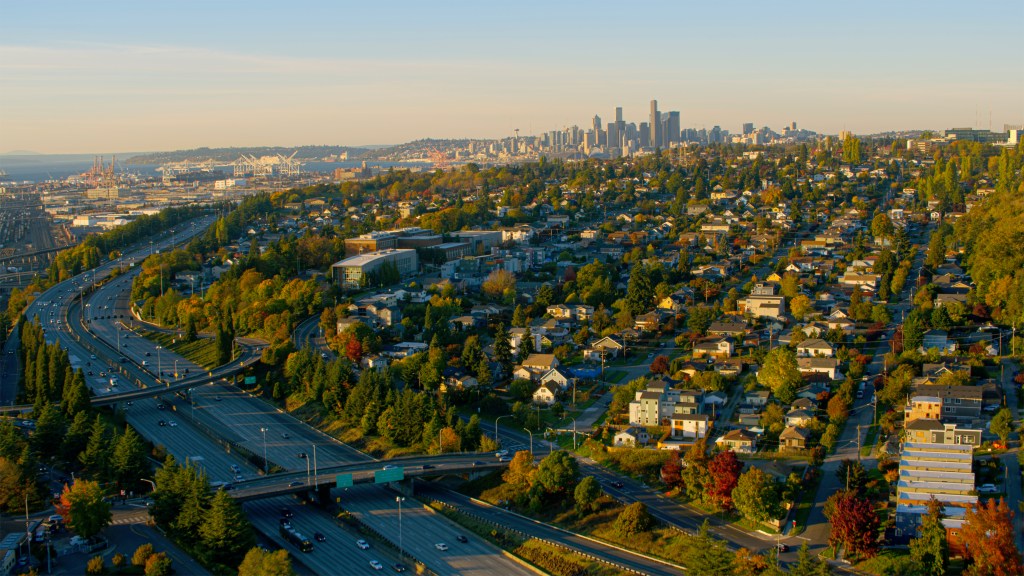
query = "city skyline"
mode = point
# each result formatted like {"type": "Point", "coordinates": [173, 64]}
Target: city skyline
{"type": "Point", "coordinates": [118, 76]}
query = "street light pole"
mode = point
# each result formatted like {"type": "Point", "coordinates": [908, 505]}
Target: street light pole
{"type": "Point", "coordinates": [573, 433]}
{"type": "Point", "coordinates": [401, 549]}
{"type": "Point", "coordinates": [266, 466]}
{"type": "Point", "coordinates": [496, 426]}
{"type": "Point", "coordinates": [314, 461]}
{"type": "Point", "coordinates": [531, 441]}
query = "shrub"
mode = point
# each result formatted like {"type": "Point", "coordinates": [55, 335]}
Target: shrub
{"type": "Point", "coordinates": [142, 553]}
{"type": "Point", "coordinates": [118, 560]}
{"type": "Point", "coordinates": [95, 565]}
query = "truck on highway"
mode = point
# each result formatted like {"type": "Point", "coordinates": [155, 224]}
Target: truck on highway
{"type": "Point", "coordinates": [295, 538]}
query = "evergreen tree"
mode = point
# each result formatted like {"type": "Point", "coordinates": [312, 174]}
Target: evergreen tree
{"type": "Point", "coordinates": [519, 318]}
{"type": "Point", "coordinates": [225, 532]}
{"type": "Point", "coordinates": [96, 456]}
{"type": "Point", "coordinates": [128, 461]}
{"type": "Point", "coordinates": [929, 550]}
{"type": "Point", "coordinates": [503, 348]}
{"type": "Point", "coordinates": [639, 292]}
{"type": "Point", "coordinates": [526, 345]}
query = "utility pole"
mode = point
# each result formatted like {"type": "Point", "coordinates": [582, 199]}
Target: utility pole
{"type": "Point", "coordinates": [858, 457]}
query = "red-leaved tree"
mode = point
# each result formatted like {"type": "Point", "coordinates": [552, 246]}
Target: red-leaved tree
{"type": "Point", "coordinates": [660, 364]}
{"type": "Point", "coordinates": [988, 539]}
{"type": "Point", "coordinates": [854, 523]}
{"type": "Point", "coordinates": [725, 470]}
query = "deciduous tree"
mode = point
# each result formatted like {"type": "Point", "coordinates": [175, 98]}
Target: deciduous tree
{"type": "Point", "coordinates": [989, 540]}
{"type": "Point", "coordinates": [634, 519]}
{"type": "Point", "coordinates": [587, 493]}
{"type": "Point", "coordinates": [757, 496]}
{"type": "Point", "coordinates": [84, 507]}
{"type": "Point", "coordinates": [854, 523]}
{"type": "Point", "coordinates": [260, 563]}
{"type": "Point", "coordinates": [781, 374]}
{"type": "Point", "coordinates": [724, 470]}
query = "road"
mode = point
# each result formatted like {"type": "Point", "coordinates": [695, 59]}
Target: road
{"type": "Point", "coordinates": [421, 529]}
{"type": "Point", "coordinates": [1012, 481]}
{"type": "Point", "coordinates": [861, 416]}
{"type": "Point", "coordinates": [621, 557]}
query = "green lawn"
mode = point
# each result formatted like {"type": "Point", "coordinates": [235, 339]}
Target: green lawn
{"type": "Point", "coordinates": [869, 442]}
{"type": "Point", "coordinates": [615, 376]}
{"type": "Point", "coordinates": [804, 505]}
{"type": "Point", "coordinates": [202, 351]}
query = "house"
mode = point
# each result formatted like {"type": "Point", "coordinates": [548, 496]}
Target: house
{"type": "Point", "coordinates": [560, 311]}
{"type": "Point", "coordinates": [545, 394]}
{"type": "Point", "coordinates": [933, 431]}
{"type": "Point", "coordinates": [716, 399]}
{"type": "Point", "coordinates": [557, 376]}
{"type": "Point", "coordinates": [691, 426]}
{"type": "Point", "coordinates": [609, 346]}
{"type": "Point", "coordinates": [649, 322]}
{"type": "Point", "coordinates": [740, 441]}
{"type": "Point", "coordinates": [938, 339]}
{"type": "Point", "coordinates": [756, 398]}
{"type": "Point", "coordinates": [794, 438]}
{"type": "Point", "coordinates": [674, 303]}
{"type": "Point", "coordinates": [815, 347]}
{"type": "Point", "coordinates": [728, 328]}
{"type": "Point", "coordinates": [715, 347]}
{"type": "Point", "coordinates": [540, 362]}
{"type": "Point", "coordinates": [632, 436]}
{"type": "Point", "coordinates": [763, 306]}
{"type": "Point", "coordinates": [798, 417]}
{"type": "Point", "coordinates": [652, 406]}
{"type": "Point", "coordinates": [827, 366]}
{"type": "Point", "coordinates": [805, 404]}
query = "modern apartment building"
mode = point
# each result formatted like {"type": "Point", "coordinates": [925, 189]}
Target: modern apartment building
{"type": "Point", "coordinates": [350, 272]}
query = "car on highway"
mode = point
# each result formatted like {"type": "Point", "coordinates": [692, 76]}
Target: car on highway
{"type": "Point", "coordinates": [462, 538]}
{"type": "Point", "coordinates": [399, 567]}
{"type": "Point", "coordinates": [294, 483]}
{"type": "Point", "coordinates": [376, 565]}
{"type": "Point", "coordinates": [616, 484]}
{"type": "Point", "coordinates": [389, 467]}
{"type": "Point", "coordinates": [302, 455]}
{"type": "Point", "coordinates": [441, 546]}
{"type": "Point", "coordinates": [427, 466]}
{"type": "Point", "coordinates": [172, 423]}
{"type": "Point", "coordinates": [319, 537]}
{"type": "Point", "coordinates": [478, 463]}
{"type": "Point", "coordinates": [782, 547]}
{"type": "Point", "coordinates": [362, 544]}
{"type": "Point", "coordinates": [161, 423]}
{"type": "Point", "coordinates": [501, 453]}
{"type": "Point", "coordinates": [285, 436]}
{"type": "Point", "coordinates": [286, 512]}
{"type": "Point", "coordinates": [235, 468]}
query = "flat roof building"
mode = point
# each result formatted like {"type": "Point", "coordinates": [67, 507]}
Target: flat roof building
{"type": "Point", "coordinates": [360, 270]}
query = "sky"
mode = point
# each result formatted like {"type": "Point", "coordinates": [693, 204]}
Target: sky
{"type": "Point", "coordinates": [89, 77]}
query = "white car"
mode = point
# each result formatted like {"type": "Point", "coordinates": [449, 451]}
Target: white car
{"type": "Point", "coordinates": [376, 565]}
{"type": "Point", "coordinates": [362, 544]}
{"type": "Point", "coordinates": [441, 546]}
{"type": "Point", "coordinates": [172, 423]}
{"type": "Point", "coordinates": [987, 489]}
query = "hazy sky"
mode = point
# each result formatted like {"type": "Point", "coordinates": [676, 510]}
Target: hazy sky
{"type": "Point", "coordinates": [93, 76]}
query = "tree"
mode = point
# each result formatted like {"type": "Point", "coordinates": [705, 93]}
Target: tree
{"type": "Point", "coordinates": [587, 493]}
{"type": "Point", "coordinates": [882, 227]}
{"type": "Point", "coordinates": [929, 549]}
{"type": "Point", "coordinates": [142, 553]}
{"type": "Point", "coordinates": [128, 461]}
{"type": "Point", "coordinates": [503, 348]}
{"type": "Point", "coordinates": [526, 345]}
{"type": "Point", "coordinates": [84, 508]}
{"type": "Point", "coordinates": [660, 364]}
{"type": "Point", "coordinates": [897, 385]}
{"type": "Point", "coordinates": [557, 473]}
{"type": "Point", "coordinates": [781, 374]}
{"type": "Point", "coordinates": [989, 540]}
{"type": "Point", "coordinates": [672, 471]}
{"type": "Point", "coordinates": [499, 283]}
{"type": "Point", "coordinates": [757, 496]}
{"type": "Point", "coordinates": [225, 532]}
{"type": "Point", "coordinates": [695, 472]}
{"type": "Point", "coordinates": [700, 318]}
{"type": "Point", "coordinates": [800, 306]}
{"type": "Point", "coordinates": [260, 563]}
{"type": "Point", "coordinates": [853, 475]}
{"type": "Point", "coordinates": [854, 523]}
{"type": "Point", "coordinates": [1002, 424]}
{"type": "Point", "coordinates": [639, 292]}
{"type": "Point", "coordinates": [807, 565]}
{"type": "Point", "coordinates": [521, 470]}
{"type": "Point", "coordinates": [707, 555]}
{"type": "Point", "coordinates": [634, 519]}
{"type": "Point", "coordinates": [519, 318]}
{"type": "Point", "coordinates": [724, 470]}
{"type": "Point", "coordinates": [158, 565]}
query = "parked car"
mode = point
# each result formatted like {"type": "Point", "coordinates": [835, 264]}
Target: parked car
{"type": "Point", "coordinates": [987, 489]}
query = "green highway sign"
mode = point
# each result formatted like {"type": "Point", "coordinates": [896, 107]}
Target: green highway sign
{"type": "Point", "coordinates": [343, 481]}
{"type": "Point", "coordinates": [391, 475]}
{"type": "Point", "coordinates": [249, 380]}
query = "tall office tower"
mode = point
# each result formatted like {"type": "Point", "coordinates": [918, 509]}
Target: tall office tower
{"type": "Point", "coordinates": [672, 128]}
{"type": "Point", "coordinates": [645, 134]}
{"type": "Point", "coordinates": [655, 124]}
{"type": "Point", "coordinates": [748, 127]}
{"type": "Point", "coordinates": [715, 136]}
{"type": "Point", "coordinates": [618, 114]}
{"type": "Point", "coordinates": [793, 126]}
{"type": "Point", "coordinates": [613, 135]}
{"type": "Point", "coordinates": [597, 124]}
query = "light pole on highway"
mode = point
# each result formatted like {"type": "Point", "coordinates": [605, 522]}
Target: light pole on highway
{"type": "Point", "coordinates": [314, 461]}
{"type": "Point", "coordinates": [192, 401]}
{"type": "Point", "coordinates": [496, 426]}
{"type": "Point", "coordinates": [531, 441]}
{"type": "Point", "coordinates": [401, 550]}
{"type": "Point", "coordinates": [159, 372]}
{"type": "Point", "coordinates": [307, 469]}
{"type": "Point", "coordinates": [573, 433]}
{"type": "Point", "coordinates": [266, 466]}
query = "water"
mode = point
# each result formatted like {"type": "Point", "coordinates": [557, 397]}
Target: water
{"type": "Point", "coordinates": [42, 167]}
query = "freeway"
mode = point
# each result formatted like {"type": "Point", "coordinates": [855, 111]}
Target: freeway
{"type": "Point", "coordinates": [307, 333]}
{"type": "Point", "coordinates": [422, 529]}
{"type": "Point", "coordinates": [614, 554]}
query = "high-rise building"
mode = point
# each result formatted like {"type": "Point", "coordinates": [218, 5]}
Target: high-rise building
{"type": "Point", "coordinates": [672, 129]}
{"type": "Point", "coordinates": [645, 134]}
{"type": "Point", "coordinates": [618, 114]}
{"type": "Point", "coordinates": [655, 124]}
{"type": "Point", "coordinates": [748, 127]}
